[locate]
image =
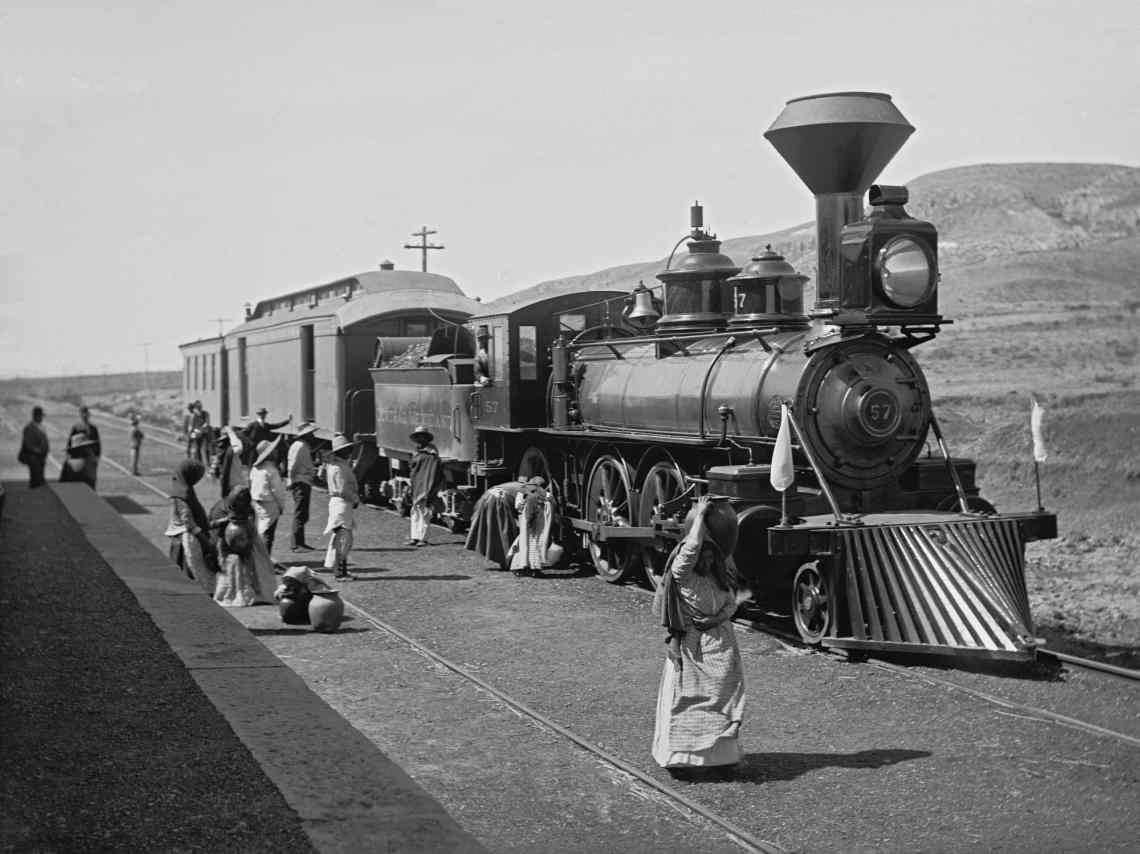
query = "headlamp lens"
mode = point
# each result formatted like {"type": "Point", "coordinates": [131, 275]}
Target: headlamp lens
{"type": "Point", "coordinates": [906, 272]}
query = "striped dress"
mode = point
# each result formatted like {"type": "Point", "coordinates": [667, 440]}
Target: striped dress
{"type": "Point", "coordinates": [700, 704]}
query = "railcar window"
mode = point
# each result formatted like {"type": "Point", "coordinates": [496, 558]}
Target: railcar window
{"type": "Point", "coordinates": [417, 329]}
{"type": "Point", "coordinates": [499, 352]}
{"type": "Point", "coordinates": [572, 322]}
{"type": "Point", "coordinates": [528, 353]}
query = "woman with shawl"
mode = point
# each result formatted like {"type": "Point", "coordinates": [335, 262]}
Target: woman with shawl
{"type": "Point", "coordinates": [536, 516]}
{"type": "Point", "coordinates": [494, 523]}
{"type": "Point", "coordinates": [189, 530]}
{"type": "Point", "coordinates": [246, 572]}
{"type": "Point", "coordinates": [427, 475]}
{"type": "Point", "coordinates": [700, 704]}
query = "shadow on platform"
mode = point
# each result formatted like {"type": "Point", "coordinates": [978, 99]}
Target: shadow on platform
{"type": "Point", "coordinates": [771, 767]}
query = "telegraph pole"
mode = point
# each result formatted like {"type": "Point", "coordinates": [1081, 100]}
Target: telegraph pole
{"type": "Point", "coordinates": [423, 245]}
{"type": "Point", "coordinates": [146, 366]}
{"type": "Point", "coordinates": [219, 321]}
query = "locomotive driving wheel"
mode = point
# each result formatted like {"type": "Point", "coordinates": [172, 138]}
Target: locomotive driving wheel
{"type": "Point", "coordinates": [608, 502]}
{"type": "Point", "coordinates": [663, 483]}
{"type": "Point", "coordinates": [812, 607]}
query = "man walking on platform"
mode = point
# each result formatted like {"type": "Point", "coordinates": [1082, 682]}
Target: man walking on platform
{"type": "Point", "coordinates": [300, 477]}
{"type": "Point", "coordinates": [94, 450]}
{"type": "Point", "coordinates": [34, 448]}
{"type": "Point", "coordinates": [136, 444]}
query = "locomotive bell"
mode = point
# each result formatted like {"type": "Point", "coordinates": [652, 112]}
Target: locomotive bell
{"type": "Point", "coordinates": [643, 309]}
{"type": "Point", "coordinates": [768, 291]}
{"type": "Point", "coordinates": [695, 298]}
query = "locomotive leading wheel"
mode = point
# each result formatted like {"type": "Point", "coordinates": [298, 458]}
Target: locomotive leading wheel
{"type": "Point", "coordinates": [663, 483]}
{"type": "Point", "coordinates": [608, 503]}
{"type": "Point", "coordinates": [812, 606]}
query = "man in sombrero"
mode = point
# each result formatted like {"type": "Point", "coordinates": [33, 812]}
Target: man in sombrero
{"type": "Point", "coordinates": [427, 474]}
{"type": "Point", "coordinates": [300, 477]}
{"type": "Point", "coordinates": [267, 491]}
{"type": "Point", "coordinates": [344, 498]}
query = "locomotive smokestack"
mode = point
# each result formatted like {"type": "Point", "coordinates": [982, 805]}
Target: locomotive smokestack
{"type": "Point", "coordinates": [838, 144]}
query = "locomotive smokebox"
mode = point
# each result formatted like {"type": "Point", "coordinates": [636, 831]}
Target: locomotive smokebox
{"type": "Point", "coordinates": [838, 144]}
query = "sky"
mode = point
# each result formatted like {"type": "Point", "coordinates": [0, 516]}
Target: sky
{"type": "Point", "coordinates": [163, 163]}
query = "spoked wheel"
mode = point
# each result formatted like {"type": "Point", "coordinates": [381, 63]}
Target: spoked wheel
{"type": "Point", "coordinates": [663, 483]}
{"type": "Point", "coordinates": [608, 503]}
{"type": "Point", "coordinates": [812, 605]}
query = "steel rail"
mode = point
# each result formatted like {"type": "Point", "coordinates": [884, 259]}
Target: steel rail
{"type": "Point", "coordinates": [1091, 664]}
{"type": "Point", "coordinates": [737, 834]}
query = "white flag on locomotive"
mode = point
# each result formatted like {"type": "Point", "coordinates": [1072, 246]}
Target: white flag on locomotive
{"type": "Point", "coordinates": [1036, 414]}
{"type": "Point", "coordinates": [783, 473]}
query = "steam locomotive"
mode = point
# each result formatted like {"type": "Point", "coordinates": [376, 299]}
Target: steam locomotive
{"type": "Point", "coordinates": [632, 405]}
{"type": "Point", "coordinates": [646, 402]}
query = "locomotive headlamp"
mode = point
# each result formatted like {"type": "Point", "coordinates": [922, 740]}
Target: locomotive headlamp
{"type": "Point", "coordinates": [905, 271]}
{"type": "Point", "coordinates": [890, 266]}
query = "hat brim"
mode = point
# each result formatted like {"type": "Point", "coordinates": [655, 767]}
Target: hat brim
{"type": "Point", "coordinates": [307, 430]}
{"type": "Point", "coordinates": [264, 455]}
{"type": "Point", "coordinates": [427, 434]}
{"type": "Point", "coordinates": [342, 446]}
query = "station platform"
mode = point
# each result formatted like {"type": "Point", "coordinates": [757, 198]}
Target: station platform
{"type": "Point", "coordinates": [138, 715]}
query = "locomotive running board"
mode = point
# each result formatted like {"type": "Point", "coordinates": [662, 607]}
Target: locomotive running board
{"type": "Point", "coordinates": [950, 586]}
{"type": "Point", "coordinates": [601, 533]}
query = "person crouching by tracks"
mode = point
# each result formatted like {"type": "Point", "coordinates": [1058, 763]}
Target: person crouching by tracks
{"type": "Point", "coordinates": [529, 554]}
{"type": "Point", "coordinates": [427, 475]}
{"type": "Point", "coordinates": [494, 523]}
{"type": "Point", "coordinates": [300, 475]}
{"type": "Point", "coordinates": [344, 498]}
{"type": "Point", "coordinates": [191, 546]}
{"type": "Point", "coordinates": [700, 704]}
{"type": "Point", "coordinates": [245, 575]}
{"type": "Point", "coordinates": [267, 491]}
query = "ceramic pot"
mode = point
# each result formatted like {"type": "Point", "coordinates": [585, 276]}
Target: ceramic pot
{"type": "Point", "coordinates": [294, 612]}
{"type": "Point", "coordinates": [720, 520]}
{"type": "Point", "coordinates": [237, 538]}
{"type": "Point", "coordinates": [326, 610]}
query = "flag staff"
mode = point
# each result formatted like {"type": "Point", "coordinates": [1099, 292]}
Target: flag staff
{"type": "Point", "coordinates": [1036, 416]}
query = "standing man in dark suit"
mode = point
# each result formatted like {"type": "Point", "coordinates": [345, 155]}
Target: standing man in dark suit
{"type": "Point", "coordinates": [84, 427]}
{"type": "Point", "coordinates": [34, 448]}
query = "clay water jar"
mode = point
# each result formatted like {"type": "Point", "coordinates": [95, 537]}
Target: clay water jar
{"type": "Point", "coordinates": [326, 610]}
{"type": "Point", "coordinates": [723, 527]}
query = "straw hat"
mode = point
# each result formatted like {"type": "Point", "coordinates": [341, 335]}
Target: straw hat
{"type": "Point", "coordinates": [306, 429]}
{"type": "Point", "coordinates": [265, 449]}
{"type": "Point", "coordinates": [79, 440]}
{"type": "Point", "coordinates": [423, 434]}
{"type": "Point", "coordinates": [341, 441]}
{"type": "Point", "coordinates": [304, 576]}
{"type": "Point", "coordinates": [262, 411]}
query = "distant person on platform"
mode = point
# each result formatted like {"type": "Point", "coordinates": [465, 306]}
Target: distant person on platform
{"type": "Point", "coordinates": [427, 475]}
{"type": "Point", "coordinates": [267, 491]}
{"type": "Point", "coordinates": [93, 450]}
{"type": "Point", "coordinates": [344, 498]}
{"type": "Point", "coordinates": [136, 444]}
{"type": "Point", "coordinates": [259, 430]}
{"type": "Point", "coordinates": [300, 477]}
{"type": "Point", "coordinates": [196, 425]}
{"type": "Point", "coordinates": [79, 466]}
{"type": "Point", "coordinates": [207, 431]}
{"type": "Point", "coordinates": [34, 448]}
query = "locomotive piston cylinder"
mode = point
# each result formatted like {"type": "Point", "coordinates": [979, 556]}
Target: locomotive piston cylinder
{"type": "Point", "coordinates": [837, 143]}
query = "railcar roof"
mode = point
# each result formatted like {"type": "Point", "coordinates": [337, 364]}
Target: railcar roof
{"type": "Point", "coordinates": [207, 344]}
{"type": "Point", "coordinates": [546, 291]}
{"type": "Point", "coordinates": [372, 293]}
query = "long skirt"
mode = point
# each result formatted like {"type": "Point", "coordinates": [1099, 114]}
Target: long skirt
{"type": "Point", "coordinates": [700, 704]}
{"type": "Point", "coordinates": [192, 560]}
{"type": "Point", "coordinates": [494, 527]}
{"type": "Point", "coordinates": [246, 581]}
